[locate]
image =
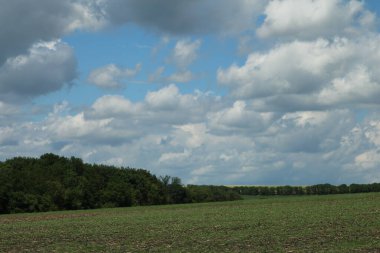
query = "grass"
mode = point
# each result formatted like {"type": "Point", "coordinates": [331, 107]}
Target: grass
{"type": "Point", "coordinates": [335, 223]}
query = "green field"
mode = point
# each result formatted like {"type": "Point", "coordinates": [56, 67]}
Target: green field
{"type": "Point", "coordinates": [333, 223]}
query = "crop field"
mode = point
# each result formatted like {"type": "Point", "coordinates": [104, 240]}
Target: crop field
{"type": "Point", "coordinates": [332, 223]}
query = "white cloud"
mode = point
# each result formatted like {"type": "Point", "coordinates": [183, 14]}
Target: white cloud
{"type": "Point", "coordinates": [114, 105]}
{"type": "Point", "coordinates": [313, 74]}
{"type": "Point", "coordinates": [357, 86]}
{"type": "Point", "coordinates": [43, 20]}
{"type": "Point", "coordinates": [287, 68]}
{"type": "Point", "coordinates": [240, 117]}
{"type": "Point", "coordinates": [290, 118]}
{"type": "Point", "coordinates": [174, 157]}
{"type": "Point", "coordinates": [308, 118]}
{"type": "Point", "coordinates": [165, 106]}
{"type": "Point", "coordinates": [167, 98]}
{"type": "Point", "coordinates": [298, 147]}
{"type": "Point", "coordinates": [87, 15]}
{"type": "Point", "coordinates": [72, 127]}
{"type": "Point", "coordinates": [362, 148]}
{"type": "Point", "coordinates": [308, 131]}
{"type": "Point", "coordinates": [47, 67]}
{"type": "Point", "coordinates": [185, 52]}
{"type": "Point", "coordinates": [112, 76]}
{"type": "Point", "coordinates": [189, 135]}
{"type": "Point", "coordinates": [368, 160]}
{"type": "Point", "coordinates": [309, 19]}
{"type": "Point", "coordinates": [373, 132]}
{"type": "Point", "coordinates": [48, 20]}
{"type": "Point", "coordinates": [33, 60]}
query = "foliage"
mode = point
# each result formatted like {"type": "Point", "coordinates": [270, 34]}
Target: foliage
{"type": "Point", "coordinates": [51, 183]}
{"type": "Point", "coordinates": [210, 193]}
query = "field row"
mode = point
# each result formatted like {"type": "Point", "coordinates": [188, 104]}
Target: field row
{"type": "Point", "coordinates": [333, 223]}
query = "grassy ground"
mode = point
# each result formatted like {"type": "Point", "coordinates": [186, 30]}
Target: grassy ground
{"type": "Point", "coordinates": [336, 223]}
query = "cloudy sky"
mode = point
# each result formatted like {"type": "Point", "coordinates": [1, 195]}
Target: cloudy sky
{"type": "Point", "coordinates": [234, 92]}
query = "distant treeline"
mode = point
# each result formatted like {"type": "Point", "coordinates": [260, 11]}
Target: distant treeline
{"type": "Point", "coordinates": [52, 183]}
{"type": "Point", "coordinates": [318, 189]}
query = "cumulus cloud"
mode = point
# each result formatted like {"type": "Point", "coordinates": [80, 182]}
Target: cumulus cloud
{"type": "Point", "coordinates": [114, 105]}
{"type": "Point", "coordinates": [368, 160]}
{"type": "Point", "coordinates": [114, 121]}
{"type": "Point", "coordinates": [166, 106]}
{"type": "Point", "coordinates": [309, 19]}
{"type": "Point", "coordinates": [358, 154]}
{"type": "Point", "coordinates": [373, 132]}
{"type": "Point", "coordinates": [87, 15]}
{"type": "Point", "coordinates": [76, 126]}
{"type": "Point", "coordinates": [199, 137]}
{"type": "Point", "coordinates": [65, 129]}
{"type": "Point", "coordinates": [296, 145]}
{"type": "Point", "coordinates": [45, 20]}
{"type": "Point", "coordinates": [24, 23]}
{"type": "Point", "coordinates": [360, 85]}
{"type": "Point", "coordinates": [315, 74]}
{"type": "Point", "coordinates": [112, 76]}
{"type": "Point", "coordinates": [186, 17]}
{"type": "Point", "coordinates": [170, 100]}
{"type": "Point", "coordinates": [185, 52]}
{"type": "Point", "coordinates": [308, 131]}
{"type": "Point", "coordinates": [189, 135]}
{"type": "Point", "coordinates": [32, 59]}
{"type": "Point", "coordinates": [47, 67]}
{"type": "Point", "coordinates": [170, 107]}
{"type": "Point", "coordinates": [167, 98]}
{"type": "Point", "coordinates": [240, 117]}
{"type": "Point", "coordinates": [116, 116]}
{"type": "Point", "coordinates": [288, 117]}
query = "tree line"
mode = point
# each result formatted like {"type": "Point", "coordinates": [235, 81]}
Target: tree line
{"type": "Point", "coordinates": [318, 189]}
{"type": "Point", "coordinates": [51, 183]}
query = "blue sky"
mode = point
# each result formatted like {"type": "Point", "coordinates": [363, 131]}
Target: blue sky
{"type": "Point", "coordinates": [243, 92]}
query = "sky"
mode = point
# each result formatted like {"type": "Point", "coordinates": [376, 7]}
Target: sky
{"type": "Point", "coordinates": [258, 92]}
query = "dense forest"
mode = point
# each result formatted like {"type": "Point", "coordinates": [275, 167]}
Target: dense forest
{"type": "Point", "coordinates": [53, 183]}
